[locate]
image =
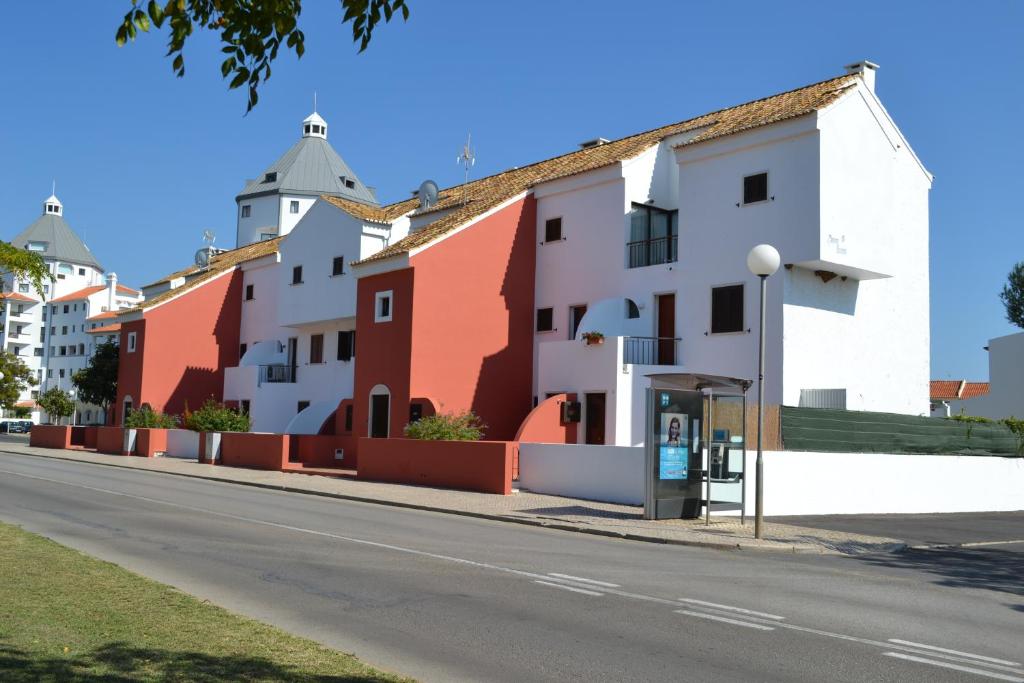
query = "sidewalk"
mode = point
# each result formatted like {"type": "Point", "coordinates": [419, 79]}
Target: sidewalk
{"type": "Point", "coordinates": [553, 512]}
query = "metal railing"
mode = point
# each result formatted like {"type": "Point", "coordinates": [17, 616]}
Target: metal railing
{"type": "Point", "coordinates": [650, 350]}
{"type": "Point", "coordinates": [276, 374]}
{"type": "Point", "coordinates": [652, 252]}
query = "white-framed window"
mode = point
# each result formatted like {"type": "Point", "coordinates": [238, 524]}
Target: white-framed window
{"type": "Point", "coordinates": [37, 246]}
{"type": "Point", "coordinates": [293, 206]}
{"type": "Point", "coordinates": [382, 307]}
{"type": "Point", "coordinates": [131, 342]}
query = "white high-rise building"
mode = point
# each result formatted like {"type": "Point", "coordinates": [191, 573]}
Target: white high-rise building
{"type": "Point", "coordinates": [50, 330]}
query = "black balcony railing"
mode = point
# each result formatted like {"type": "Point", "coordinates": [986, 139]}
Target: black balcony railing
{"type": "Point", "coordinates": [277, 374]}
{"type": "Point", "coordinates": [652, 252]}
{"type": "Point", "coordinates": [650, 350]}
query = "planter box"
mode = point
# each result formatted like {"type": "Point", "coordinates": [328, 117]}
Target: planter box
{"type": "Point", "coordinates": [150, 443]}
{"type": "Point", "coordinates": [484, 466]}
{"type": "Point", "coordinates": [110, 440]}
{"type": "Point", "coordinates": [50, 436]}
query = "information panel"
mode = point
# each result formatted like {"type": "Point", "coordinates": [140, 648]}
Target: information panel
{"type": "Point", "coordinates": [673, 454]}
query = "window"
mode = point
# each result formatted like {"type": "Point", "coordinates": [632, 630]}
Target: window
{"type": "Point", "coordinates": [553, 230]}
{"type": "Point", "coordinates": [53, 329]}
{"type": "Point", "coordinates": [63, 329]}
{"type": "Point", "coordinates": [545, 319]}
{"type": "Point", "coordinates": [297, 275]}
{"type": "Point", "coordinates": [81, 349]}
{"type": "Point", "coordinates": [49, 374]}
{"type": "Point", "coordinates": [81, 271]}
{"type": "Point", "coordinates": [60, 373]}
{"type": "Point", "coordinates": [131, 342]}
{"type": "Point", "coordinates": [46, 290]}
{"type": "Point", "coordinates": [37, 246]}
{"type": "Point", "coordinates": [53, 350]}
{"type": "Point", "coordinates": [576, 314]}
{"type": "Point", "coordinates": [349, 183]}
{"type": "Point", "coordinates": [755, 188]}
{"type": "Point", "coordinates": [382, 307]}
{"type": "Point", "coordinates": [71, 350]}
{"type": "Point", "coordinates": [248, 292]}
{"type": "Point", "coordinates": [66, 308]}
{"type": "Point", "coordinates": [652, 236]}
{"type": "Point", "coordinates": [302, 406]}
{"type": "Point", "coordinates": [316, 348]}
{"type": "Point", "coordinates": [53, 309]}
{"type": "Point", "coordinates": [63, 350]}
{"type": "Point", "coordinates": [270, 177]}
{"type": "Point", "coordinates": [346, 345]}
{"type": "Point", "coordinates": [338, 266]}
{"type": "Point", "coordinates": [246, 210]}
{"type": "Point", "coordinates": [348, 418]}
{"type": "Point", "coordinates": [65, 268]}
{"type": "Point", "coordinates": [305, 129]}
{"type": "Point", "coordinates": [35, 394]}
{"type": "Point", "coordinates": [38, 351]}
{"type": "Point", "coordinates": [242, 348]}
{"type": "Point", "coordinates": [23, 288]}
{"type": "Point", "coordinates": [264, 236]}
{"type": "Point", "coordinates": [293, 206]}
{"type": "Point", "coordinates": [727, 309]}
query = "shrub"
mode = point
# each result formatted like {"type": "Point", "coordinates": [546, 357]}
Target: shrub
{"type": "Point", "coordinates": [147, 418]}
{"type": "Point", "coordinates": [1017, 427]}
{"type": "Point", "coordinates": [464, 426]}
{"type": "Point", "coordinates": [57, 403]}
{"type": "Point", "coordinates": [216, 417]}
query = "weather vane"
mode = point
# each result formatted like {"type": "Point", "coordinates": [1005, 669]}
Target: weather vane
{"type": "Point", "coordinates": [467, 159]}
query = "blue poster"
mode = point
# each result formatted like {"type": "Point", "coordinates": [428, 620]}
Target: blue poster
{"type": "Point", "coordinates": [673, 462]}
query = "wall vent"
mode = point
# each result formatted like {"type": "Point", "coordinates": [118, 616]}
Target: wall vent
{"type": "Point", "coordinates": [823, 398]}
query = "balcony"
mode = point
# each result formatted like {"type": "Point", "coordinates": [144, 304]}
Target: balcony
{"type": "Point", "coordinates": [276, 374]}
{"type": "Point", "coordinates": [650, 351]}
{"type": "Point", "coordinates": [652, 252]}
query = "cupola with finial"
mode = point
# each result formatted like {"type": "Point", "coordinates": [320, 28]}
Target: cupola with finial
{"type": "Point", "coordinates": [52, 206]}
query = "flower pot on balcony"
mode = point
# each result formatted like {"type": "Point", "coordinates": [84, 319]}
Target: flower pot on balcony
{"type": "Point", "coordinates": [593, 338]}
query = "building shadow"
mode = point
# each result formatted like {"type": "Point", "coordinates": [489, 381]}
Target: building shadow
{"type": "Point", "coordinates": [987, 568]}
{"type": "Point", "coordinates": [120, 663]}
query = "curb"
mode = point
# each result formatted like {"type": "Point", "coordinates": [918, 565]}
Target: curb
{"type": "Point", "coordinates": [558, 526]}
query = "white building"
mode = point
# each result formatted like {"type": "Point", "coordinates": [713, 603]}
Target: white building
{"type": "Point", "coordinates": [273, 203]}
{"type": "Point", "coordinates": [48, 330]}
{"type": "Point", "coordinates": [1005, 397]}
{"type": "Point", "coordinates": [653, 250]}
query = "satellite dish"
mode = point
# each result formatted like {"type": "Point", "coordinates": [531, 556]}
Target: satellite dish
{"type": "Point", "coordinates": [427, 194]}
{"type": "Point", "coordinates": [203, 257]}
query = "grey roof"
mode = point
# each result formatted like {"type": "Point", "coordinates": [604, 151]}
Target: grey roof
{"type": "Point", "coordinates": [310, 167]}
{"type": "Point", "coordinates": [62, 244]}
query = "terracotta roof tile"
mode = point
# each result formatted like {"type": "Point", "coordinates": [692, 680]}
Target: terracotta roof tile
{"type": "Point", "coordinates": [15, 296]}
{"type": "Point", "coordinates": [957, 389]}
{"type": "Point", "coordinates": [374, 214]}
{"type": "Point", "coordinates": [220, 263]}
{"type": "Point", "coordinates": [102, 316]}
{"type": "Point", "coordinates": [974, 389]}
{"type": "Point", "coordinates": [485, 194]}
{"type": "Point", "coordinates": [86, 292]}
{"type": "Point", "coordinates": [114, 327]}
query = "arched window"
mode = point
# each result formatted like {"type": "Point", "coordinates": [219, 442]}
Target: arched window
{"type": "Point", "coordinates": [127, 408]}
{"type": "Point", "coordinates": [632, 310]}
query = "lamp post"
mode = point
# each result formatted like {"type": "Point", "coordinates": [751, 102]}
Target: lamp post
{"type": "Point", "coordinates": [763, 260]}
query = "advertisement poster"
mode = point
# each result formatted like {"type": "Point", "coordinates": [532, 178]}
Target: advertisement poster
{"type": "Point", "coordinates": [673, 446]}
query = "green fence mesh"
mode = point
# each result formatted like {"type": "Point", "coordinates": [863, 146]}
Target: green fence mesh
{"type": "Point", "coordinates": [850, 431]}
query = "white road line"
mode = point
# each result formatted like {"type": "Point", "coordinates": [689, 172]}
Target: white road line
{"type": "Point", "coordinates": [727, 620]}
{"type": "Point", "coordinates": [953, 652]}
{"type": "Point", "coordinates": [569, 588]}
{"type": "Point", "coordinates": [730, 608]}
{"type": "Point", "coordinates": [580, 578]}
{"type": "Point", "coordinates": [956, 667]}
{"type": "Point", "coordinates": [981, 544]}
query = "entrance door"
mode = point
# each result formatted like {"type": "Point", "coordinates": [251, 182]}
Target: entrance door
{"type": "Point", "coordinates": [666, 329]}
{"type": "Point", "coordinates": [379, 407]}
{"type": "Point", "coordinates": [595, 419]}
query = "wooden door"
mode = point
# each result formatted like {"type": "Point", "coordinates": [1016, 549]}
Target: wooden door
{"type": "Point", "coordinates": [595, 419]}
{"type": "Point", "coordinates": [379, 406]}
{"type": "Point", "coordinates": [666, 329]}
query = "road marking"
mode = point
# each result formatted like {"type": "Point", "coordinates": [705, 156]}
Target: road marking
{"type": "Point", "coordinates": [979, 544]}
{"type": "Point", "coordinates": [956, 667]}
{"type": "Point", "coordinates": [580, 578]}
{"type": "Point", "coordinates": [753, 622]}
{"type": "Point", "coordinates": [569, 588]}
{"type": "Point", "coordinates": [727, 620]}
{"type": "Point", "coordinates": [730, 608]}
{"type": "Point", "coordinates": [953, 652]}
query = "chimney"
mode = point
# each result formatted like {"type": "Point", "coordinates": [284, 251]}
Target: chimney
{"type": "Point", "coordinates": [866, 70]}
{"type": "Point", "coordinates": [111, 291]}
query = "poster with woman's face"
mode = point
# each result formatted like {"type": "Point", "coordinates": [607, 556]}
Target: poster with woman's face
{"type": "Point", "coordinates": [673, 446]}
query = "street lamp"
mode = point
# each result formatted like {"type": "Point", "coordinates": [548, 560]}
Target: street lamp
{"type": "Point", "coordinates": [763, 260]}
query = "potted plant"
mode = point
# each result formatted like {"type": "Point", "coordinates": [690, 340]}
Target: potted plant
{"type": "Point", "coordinates": [593, 338]}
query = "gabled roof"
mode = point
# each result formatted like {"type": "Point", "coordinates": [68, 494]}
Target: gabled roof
{"type": "Point", "coordinates": [105, 329]}
{"type": "Point", "coordinates": [16, 296]}
{"type": "Point", "coordinates": [311, 167]}
{"type": "Point", "coordinates": [373, 214]}
{"type": "Point", "coordinates": [105, 315]}
{"type": "Point", "coordinates": [195, 277]}
{"type": "Point", "coordinates": [467, 202]}
{"type": "Point", "coordinates": [62, 244]}
{"type": "Point", "coordinates": [86, 292]}
{"type": "Point", "coordinates": [957, 389]}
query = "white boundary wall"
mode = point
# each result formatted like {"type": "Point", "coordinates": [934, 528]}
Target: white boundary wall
{"type": "Point", "coordinates": [182, 443]}
{"type": "Point", "coordinates": [613, 474]}
{"type": "Point", "coordinates": [796, 482]}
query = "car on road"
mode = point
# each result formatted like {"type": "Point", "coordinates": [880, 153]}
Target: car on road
{"type": "Point", "coordinates": [13, 427]}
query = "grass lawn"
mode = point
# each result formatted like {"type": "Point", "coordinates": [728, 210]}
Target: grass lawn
{"type": "Point", "coordinates": [65, 616]}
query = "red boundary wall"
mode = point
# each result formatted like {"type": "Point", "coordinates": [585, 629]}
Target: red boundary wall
{"type": "Point", "coordinates": [484, 466]}
{"type": "Point", "coordinates": [50, 436]}
{"type": "Point", "coordinates": [149, 442]}
{"type": "Point", "coordinates": [255, 451]}
{"type": "Point", "coordinates": [110, 440]}
{"type": "Point", "coordinates": [318, 450]}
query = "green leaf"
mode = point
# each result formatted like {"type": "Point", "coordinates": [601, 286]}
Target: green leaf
{"type": "Point", "coordinates": [240, 77]}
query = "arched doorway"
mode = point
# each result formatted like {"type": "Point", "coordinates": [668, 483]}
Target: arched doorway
{"type": "Point", "coordinates": [126, 408]}
{"type": "Point", "coordinates": [380, 412]}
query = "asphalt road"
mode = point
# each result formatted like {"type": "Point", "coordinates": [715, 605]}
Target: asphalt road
{"type": "Point", "coordinates": [969, 529]}
{"type": "Point", "coordinates": [445, 598]}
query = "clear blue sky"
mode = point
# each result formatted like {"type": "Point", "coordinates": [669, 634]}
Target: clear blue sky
{"type": "Point", "coordinates": [145, 161]}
